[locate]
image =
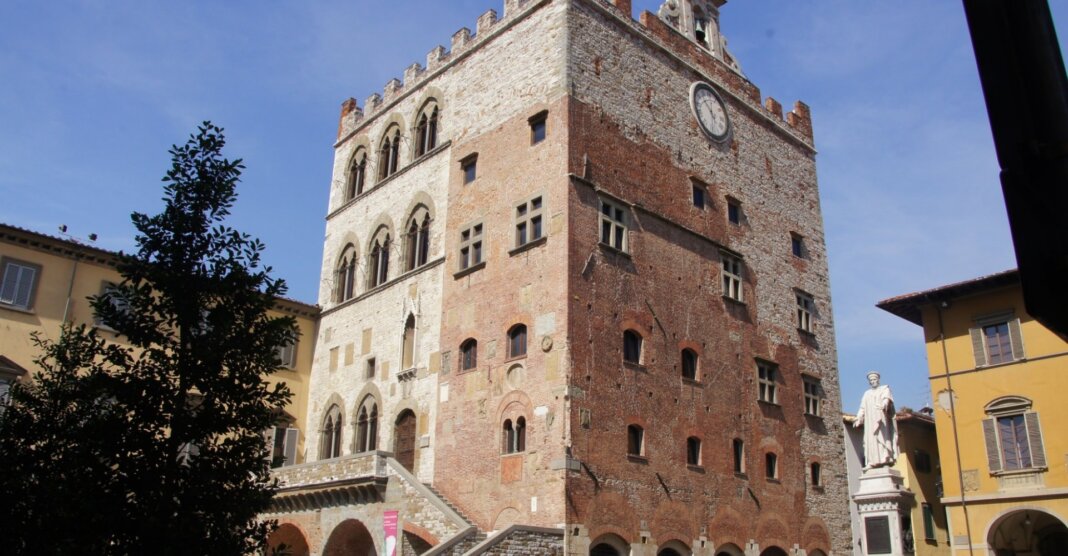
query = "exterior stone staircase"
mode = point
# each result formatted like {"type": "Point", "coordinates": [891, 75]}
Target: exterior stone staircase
{"type": "Point", "coordinates": [461, 543]}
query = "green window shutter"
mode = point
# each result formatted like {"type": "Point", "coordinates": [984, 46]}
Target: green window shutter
{"type": "Point", "coordinates": [928, 523]}
{"type": "Point", "coordinates": [978, 346]}
{"type": "Point", "coordinates": [291, 446]}
{"type": "Point", "coordinates": [1034, 439]}
{"type": "Point", "coordinates": [1016, 338]}
{"type": "Point", "coordinates": [993, 453]}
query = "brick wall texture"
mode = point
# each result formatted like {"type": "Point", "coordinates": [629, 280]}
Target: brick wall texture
{"type": "Point", "coordinates": [615, 95]}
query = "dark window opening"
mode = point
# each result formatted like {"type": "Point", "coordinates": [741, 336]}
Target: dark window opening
{"type": "Point", "coordinates": [693, 451]}
{"type": "Point", "coordinates": [689, 364]}
{"type": "Point", "coordinates": [468, 355]}
{"type": "Point", "coordinates": [517, 341]}
{"type": "Point", "coordinates": [635, 441]}
{"type": "Point", "coordinates": [632, 347]}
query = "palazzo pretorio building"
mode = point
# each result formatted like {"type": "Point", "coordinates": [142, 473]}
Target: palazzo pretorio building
{"type": "Point", "coordinates": [574, 300]}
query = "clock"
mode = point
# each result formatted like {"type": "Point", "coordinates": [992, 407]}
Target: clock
{"type": "Point", "coordinates": [710, 111]}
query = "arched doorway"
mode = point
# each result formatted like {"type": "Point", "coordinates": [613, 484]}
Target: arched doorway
{"type": "Point", "coordinates": [609, 545]}
{"type": "Point", "coordinates": [729, 549]}
{"type": "Point", "coordinates": [350, 538]}
{"type": "Point", "coordinates": [1030, 532]}
{"type": "Point", "coordinates": [287, 540]}
{"type": "Point", "coordinates": [404, 439]}
{"type": "Point", "coordinates": [674, 548]}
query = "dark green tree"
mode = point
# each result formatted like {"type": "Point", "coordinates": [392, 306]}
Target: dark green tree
{"type": "Point", "coordinates": [156, 447]}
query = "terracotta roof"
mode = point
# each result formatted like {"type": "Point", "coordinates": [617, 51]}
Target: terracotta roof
{"type": "Point", "coordinates": [908, 306]}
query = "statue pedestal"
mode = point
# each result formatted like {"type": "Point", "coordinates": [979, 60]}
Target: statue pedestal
{"type": "Point", "coordinates": [883, 504]}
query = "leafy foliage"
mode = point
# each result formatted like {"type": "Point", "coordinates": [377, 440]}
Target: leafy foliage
{"type": "Point", "coordinates": [156, 447]}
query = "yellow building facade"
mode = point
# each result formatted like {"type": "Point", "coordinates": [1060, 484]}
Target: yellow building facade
{"type": "Point", "coordinates": [999, 382]}
{"type": "Point", "coordinates": [46, 280]}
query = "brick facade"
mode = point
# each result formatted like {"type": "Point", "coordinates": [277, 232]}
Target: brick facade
{"type": "Point", "coordinates": [614, 96]}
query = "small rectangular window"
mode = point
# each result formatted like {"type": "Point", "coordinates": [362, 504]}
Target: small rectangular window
{"type": "Point", "coordinates": [768, 391]}
{"type": "Point", "coordinates": [816, 472]}
{"type": "Point", "coordinates": [18, 286]}
{"type": "Point", "coordinates": [698, 196]}
{"type": "Point", "coordinates": [805, 308]}
{"type": "Point", "coordinates": [771, 466]}
{"type": "Point", "coordinates": [796, 245]}
{"type": "Point", "coordinates": [471, 246]}
{"type": "Point", "coordinates": [738, 450]}
{"type": "Point", "coordinates": [813, 395]}
{"type": "Point", "coordinates": [921, 460]}
{"type": "Point", "coordinates": [693, 451]}
{"type": "Point", "coordinates": [613, 225]}
{"type": "Point", "coordinates": [537, 128]}
{"type": "Point", "coordinates": [469, 166]}
{"type": "Point", "coordinates": [732, 277]}
{"type": "Point", "coordinates": [370, 371]}
{"type": "Point", "coordinates": [635, 441]}
{"type": "Point", "coordinates": [528, 221]}
{"type": "Point", "coordinates": [734, 211]}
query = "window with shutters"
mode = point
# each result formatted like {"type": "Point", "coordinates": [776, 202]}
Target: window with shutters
{"type": "Point", "coordinates": [928, 523]}
{"type": "Point", "coordinates": [286, 354]}
{"type": "Point", "coordinates": [1013, 436]}
{"type": "Point", "coordinates": [18, 286]}
{"type": "Point", "coordinates": [996, 339]}
{"type": "Point", "coordinates": [282, 442]}
{"type": "Point", "coordinates": [117, 301]}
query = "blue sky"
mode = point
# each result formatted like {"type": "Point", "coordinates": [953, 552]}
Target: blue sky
{"type": "Point", "coordinates": [95, 93]}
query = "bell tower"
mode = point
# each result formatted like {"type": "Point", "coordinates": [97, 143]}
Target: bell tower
{"type": "Point", "coordinates": [698, 20]}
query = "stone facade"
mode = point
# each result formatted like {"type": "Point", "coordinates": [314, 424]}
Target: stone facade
{"type": "Point", "coordinates": [560, 106]}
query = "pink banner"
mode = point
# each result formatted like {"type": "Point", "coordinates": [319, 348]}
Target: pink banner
{"type": "Point", "coordinates": [389, 524]}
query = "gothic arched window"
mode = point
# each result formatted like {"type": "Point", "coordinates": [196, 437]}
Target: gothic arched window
{"type": "Point", "coordinates": [330, 437]}
{"type": "Point", "coordinates": [417, 239]}
{"type": "Point", "coordinates": [378, 259]}
{"type": "Point", "coordinates": [427, 129]}
{"type": "Point", "coordinates": [389, 153]}
{"type": "Point", "coordinates": [367, 425]}
{"type": "Point", "coordinates": [345, 275]}
{"type": "Point", "coordinates": [357, 175]}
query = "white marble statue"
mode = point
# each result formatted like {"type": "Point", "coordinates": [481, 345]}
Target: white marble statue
{"type": "Point", "coordinates": [876, 415]}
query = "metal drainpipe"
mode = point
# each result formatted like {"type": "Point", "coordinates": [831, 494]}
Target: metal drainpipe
{"type": "Point", "coordinates": [70, 289]}
{"type": "Point", "coordinates": [953, 420]}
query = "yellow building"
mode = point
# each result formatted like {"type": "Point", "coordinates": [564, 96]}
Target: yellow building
{"type": "Point", "coordinates": [999, 380]}
{"type": "Point", "coordinates": [46, 280]}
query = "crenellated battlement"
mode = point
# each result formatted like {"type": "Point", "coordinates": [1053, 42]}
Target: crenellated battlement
{"type": "Point", "coordinates": [724, 70]}
{"type": "Point", "coordinates": [462, 41]}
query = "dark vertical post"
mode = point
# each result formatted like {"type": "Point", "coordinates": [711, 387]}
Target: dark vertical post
{"type": "Point", "coordinates": [1022, 73]}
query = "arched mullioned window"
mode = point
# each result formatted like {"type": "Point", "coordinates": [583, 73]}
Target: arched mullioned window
{"type": "Point", "coordinates": [378, 259]}
{"type": "Point", "coordinates": [417, 239]}
{"type": "Point", "coordinates": [389, 153]}
{"type": "Point", "coordinates": [357, 176]}
{"type": "Point", "coordinates": [514, 437]}
{"type": "Point", "coordinates": [426, 129]}
{"type": "Point", "coordinates": [345, 275]}
{"type": "Point", "coordinates": [367, 425]}
{"type": "Point", "coordinates": [330, 436]}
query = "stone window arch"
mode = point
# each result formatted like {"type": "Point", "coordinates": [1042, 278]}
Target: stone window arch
{"type": "Point", "coordinates": [330, 435]}
{"type": "Point", "coordinates": [426, 128]}
{"type": "Point", "coordinates": [408, 343]}
{"type": "Point", "coordinates": [417, 238]}
{"type": "Point", "coordinates": [378, 258]}
{"type": "Point", "coordinates": [357, 175]}
{"type": "Point", "coordinates": [389, 152]}
{"type": "Point", "coordinates": [345, 275]}
{"type": "Point", "coordinates": [367, 425]}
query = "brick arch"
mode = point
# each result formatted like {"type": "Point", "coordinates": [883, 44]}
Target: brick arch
{"type": "Point", "coordinates": [349, 537]}
{"type": "Point", "coordinates": [816, 536]}
{"type": "Point", "coordinates": [420, 198]}
{"type": "Point", "coordinates": [509, 404]}
{"type": "Point", "coordinates": [691, 344]}
{"type": "Point", "coordinates": [771, 530]}
{"type": "Point", "coordinates": [508, 515]}
{"type": "Point", "coordinates": [292, 535]}
{"type": "Point", "coordinates": [608, 513]}
{"type": "Point", "coordinates": [612, 536]}
{"type": "Point", "coordinates": [728, 526]}
{"type": "Point", "coordinates": [628, 323]}
{"type": "Point", "coordinates": [424, 534]}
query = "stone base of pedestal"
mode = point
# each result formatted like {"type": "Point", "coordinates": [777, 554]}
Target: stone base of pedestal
{"type": "Point", "coordinates": [883, 504]}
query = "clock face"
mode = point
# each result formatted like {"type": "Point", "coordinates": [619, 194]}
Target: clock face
{"type": "Point", "coordinates": [710, 111]}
